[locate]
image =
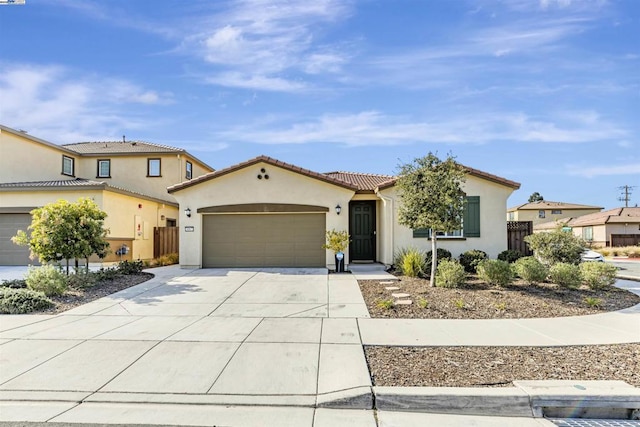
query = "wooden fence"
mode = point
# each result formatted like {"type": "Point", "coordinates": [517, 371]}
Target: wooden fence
{"type": "Point", "coordinates": [165, 241]}
{"type": "Point", "coordinates": [619, 240]}
{"type": "Point", "coordinates": [516, 232]}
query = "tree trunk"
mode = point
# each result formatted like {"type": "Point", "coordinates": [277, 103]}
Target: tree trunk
{"type": "Point", "coordinates": [434, 259]}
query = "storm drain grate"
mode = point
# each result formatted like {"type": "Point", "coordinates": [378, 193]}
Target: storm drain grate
{"type": "Point", "coordinates": [585, 422]}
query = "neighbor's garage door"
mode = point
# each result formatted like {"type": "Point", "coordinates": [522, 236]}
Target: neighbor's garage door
{"type": "Point", "coordinates": [263, 240]}
{"type": "Point", "coordinates": [10, 253]}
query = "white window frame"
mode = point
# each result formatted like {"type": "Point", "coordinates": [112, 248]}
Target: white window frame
{"type": "Point", "coordinates": [100, 173]}
{"type": "Point", "coordinates": [542, 213]}
{"type": "Point", "coordinates": [188, 170]}
{"type": "Point", "coordinates": [68, 163]}
{"type": "Point", "coordinates": [151, 161]}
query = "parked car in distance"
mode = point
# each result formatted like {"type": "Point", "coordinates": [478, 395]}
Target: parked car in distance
{"type": "Point", "coordinates": [589, 255]}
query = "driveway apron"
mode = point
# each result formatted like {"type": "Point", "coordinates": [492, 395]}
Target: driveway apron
{"type": "Point", "coordinates": [246, 336]}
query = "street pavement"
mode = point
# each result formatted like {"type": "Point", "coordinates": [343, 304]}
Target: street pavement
{"type": "Point", "coordinates": [242, 347]}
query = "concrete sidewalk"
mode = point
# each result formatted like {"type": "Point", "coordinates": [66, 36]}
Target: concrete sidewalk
{"type": "Point", "coordinates": [241, 347]}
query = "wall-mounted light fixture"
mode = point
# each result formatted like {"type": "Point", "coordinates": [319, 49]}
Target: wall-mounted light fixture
{"type": "Point", "coordinates": [338, 209]}
{"type": "Point", "coordinates": [187, 212]}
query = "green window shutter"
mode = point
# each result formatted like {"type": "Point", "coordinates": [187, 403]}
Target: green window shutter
{"type": "Point", "coordinates": [421, 232]}
{"type": "Point", "coordinates": [472, 217]}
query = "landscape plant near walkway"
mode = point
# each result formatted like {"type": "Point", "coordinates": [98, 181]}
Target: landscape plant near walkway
{"type": "Point", "coordinates": [556, 246]}
{"type": "Point", "coordinates": [46, 279]}
{"type": "Point", "coordinates": [431, 198]}
{"type": "Point", "coordinates": [495, 272]}
{"type": "Point", "coordinates": [21, 301]}
{"type": "Point", "coordinates": [565, 274]}
{"type": "Point", "coordinates": [337, 241]}
{"type": "Point", "coordinates": [598, 275]}
{"type": "Point", "coordinates": [441, 254]}
{"type": "Point", "coordinates": [63, 231]}
{"type": "Point", "coordinates": [450, 274]}
{"type": "Point", "coordinates": [530, 270]}
{"type": "Point", "coordinates": [510, 255]}
{"type": "Point", "coordinates": [471, 259]}
{"type": "Point", "coordinates": [411, 262]}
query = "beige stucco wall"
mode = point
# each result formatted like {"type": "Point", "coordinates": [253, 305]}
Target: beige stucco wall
{"type": "Point", "coordinates": [602, 233]}
{"type": "Point", "coordinates": [25, 160]}
{"type": "Point", "coordinates": [243, 187]}
{"type": "Point", "coordinates": [493, 227]}
{"type": "Point", "coordinates": [121, 210]}
{"type": "Point", "coordinates": [130, 172]}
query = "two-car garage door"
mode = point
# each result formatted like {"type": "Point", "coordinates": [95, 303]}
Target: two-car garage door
{"type": "Point", "coordinates": [10, 253]}
{"type": "Point", "coordinates": [263, 240]}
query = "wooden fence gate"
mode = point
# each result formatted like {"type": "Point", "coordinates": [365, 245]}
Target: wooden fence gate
{"type": "Point", "coordinates": [516, 232]}
{"type": "Point", "coordinates": [619, 240]}
{"type": "Point", "coordinates": [165, 241]}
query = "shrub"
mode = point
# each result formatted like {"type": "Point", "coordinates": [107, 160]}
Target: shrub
{"type": "Point", "coordinates": [411, 262]}
{"type": "Point", "coordinates": [495, 272]}
{"type": "Point", "coordinates": [14, 284]}
{"type": "Point", "coordinates": [450, 274]}
{"type": "Point", "coordinates": [81, 280]}
{"type": "Point", "coordinates": [130, 267]}
{"type": "Point", "coordinates": [556, 246]}
{"type": "Point", "coordinates": [109, 273]}
{"type": "Point", "coordinates": [510, 255]}
{"type": "Point", "coordinates": [20, 301]}
{"type": "Point", "coordinates": [593, 302]}
{"type": "Point", "coordinates": [46, 279]}
{"type": "Point", "coordinates": [470, 259]}
{"type": "Point", "coordinates": [423, 303]}
{"type": "Point", "coordinates": [387, 304]}
{"type": "Point", "coordinates": [531, 270]}
{"type": "Point", "coordinates": [598, 275]}
{"type": "Point", "coordinates": [441, 254]}
{"type": "Point", "coordinates": [565, 274]}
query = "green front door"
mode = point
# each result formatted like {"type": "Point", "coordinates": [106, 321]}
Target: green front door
{"type": "Point", "coordinates": [362, 228]}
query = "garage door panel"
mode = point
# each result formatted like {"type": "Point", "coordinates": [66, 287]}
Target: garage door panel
{"type": "Point", "coordinates": [263, 240]}
{"type": "Point", "coordinates": [10, 253]}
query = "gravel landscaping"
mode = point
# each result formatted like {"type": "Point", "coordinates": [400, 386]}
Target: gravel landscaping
{"type": "Point", "coordinates": [499, 366]}
{"type": "Point", "coordinates": [478, 300]}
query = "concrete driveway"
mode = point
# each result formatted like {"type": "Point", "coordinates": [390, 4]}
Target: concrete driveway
{"type": "Point", "coordinates": [264, 337]}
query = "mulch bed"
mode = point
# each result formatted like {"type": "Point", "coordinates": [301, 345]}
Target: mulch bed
{"type": "Point", "coordinates": [76, 297]}
{"type": "Point", "coordinates": [478, 300]}
{"type": "Point", "coordinates": [499, 366]}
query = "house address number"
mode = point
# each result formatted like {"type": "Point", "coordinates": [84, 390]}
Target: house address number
{"type": "Point", "coordinates": [189, 228]}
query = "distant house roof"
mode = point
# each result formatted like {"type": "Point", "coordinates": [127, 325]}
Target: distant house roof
{"type": "Point", "coordinates": [552, 225]}
{"type": "Point", "coordinates": [545, 204]}
{"type": "Point", "coordinates": [121, 147]}
{"type": "Point", "coordinates": [611, 216]}
{"type": "Point", "coordinates": [76, 184]}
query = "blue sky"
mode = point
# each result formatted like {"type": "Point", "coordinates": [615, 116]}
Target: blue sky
{"type": "Point", "coordinates": [543, 92]}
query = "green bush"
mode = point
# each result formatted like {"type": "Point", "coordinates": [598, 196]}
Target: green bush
{"type": "Point", "coordinates": [130, 267]}
{"type": "Point", "coordinates": [412, 262]}
{"type": "Point", "coordinates": [441, 254]}
{"type": "Point", "coordinates": [556, 246]}
{"type": "Point", "coordinates": [598, 275]}
{"type": "Point", "coordinates": [530, 269]}
{"type": "Point", "coordinates": [450, 274]}
{"type": "Point", "coordinates": [565, 274]}
{"type": "Point", "coordinates": [14, 284]}
{"type": "Point", "coordinates": [109, 273]}
{"type": "Point", "coordinates": [495, 272]}
{"type": "Point", "coordinates": [82, 280]}
{"type": "Point", "coordinates": [20, 301]}
{"type": "Point", "coordinates": [471, 259]}
{"type": "Point", "coordinates": [46, 279]}
{"type": "Point", "coordinates": [510, 256]}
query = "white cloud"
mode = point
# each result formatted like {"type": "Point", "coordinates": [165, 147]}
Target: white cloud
{"type": "Point", "coordinates": [51, 101]}
{"type": "Point", "coordinates": [257, 82]}
{"type": "Point", "coordinates": [611, 170]}
{"type": "Point", "coordinates": [375, 128]}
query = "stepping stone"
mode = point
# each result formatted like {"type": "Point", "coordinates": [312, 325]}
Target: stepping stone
{"type": "Point", "coordinates": [392, 288]}
{"type": "Point", "coordinates": [386, 283]}
{"type": "Point", "coordinates": [403, 302]}
{"type": "Point", "coordinates": [400, 295]}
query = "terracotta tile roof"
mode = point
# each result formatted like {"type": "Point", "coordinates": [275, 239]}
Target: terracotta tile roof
{"type": "Point", "coordinates": [612, 216]}
{"type": "Point", "coordinates": [545, 204]}
{"type": "Point", "coordinates": [120, 147]}
{"type": "Point", "coordinates": [76, 184]}
{"type": "Point", "coordinates": [268, 160]}
{"type": "Point", "coordinates": [363, 181]}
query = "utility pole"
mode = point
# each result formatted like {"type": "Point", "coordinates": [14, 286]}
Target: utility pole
{"type": "Point", "coordinates": [626, 195]}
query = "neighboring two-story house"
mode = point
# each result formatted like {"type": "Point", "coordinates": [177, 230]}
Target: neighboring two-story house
{"type": "Point", "coordinates": [127, 179]}
{"type": "Point", "coordinates": [545, 211]}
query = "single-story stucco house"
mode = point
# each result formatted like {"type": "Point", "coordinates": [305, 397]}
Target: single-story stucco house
{"type": "Point", "coordinates": [267, 213]}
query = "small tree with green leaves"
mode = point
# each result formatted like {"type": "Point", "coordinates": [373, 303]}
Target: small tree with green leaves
{"type": "Point", "coordinates": [535, 197]}
{"type": "Point", "coordinates": [556, 246]}
{"type": "Point", "coordinates": [64, 231]}
{"type": "Point", "coordinates": [431, 197]}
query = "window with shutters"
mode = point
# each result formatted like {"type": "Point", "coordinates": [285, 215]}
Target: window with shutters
{"type": "Point", "coordinates": [470, 223]}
